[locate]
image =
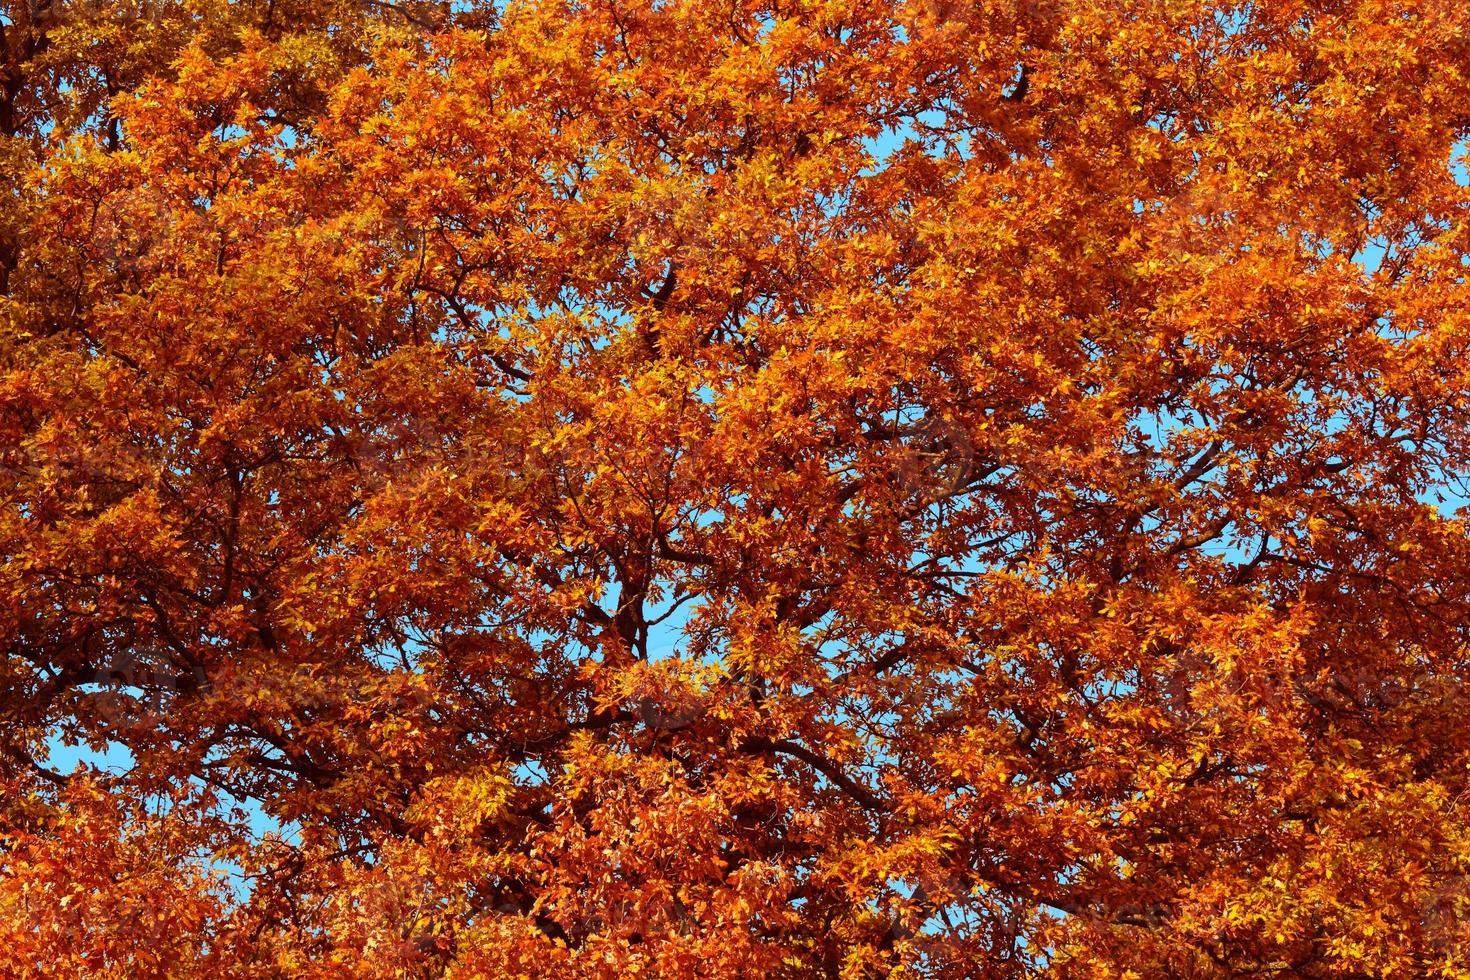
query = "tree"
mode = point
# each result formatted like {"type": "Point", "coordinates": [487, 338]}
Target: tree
{"type": "Point", "coordinates": [731, 488]}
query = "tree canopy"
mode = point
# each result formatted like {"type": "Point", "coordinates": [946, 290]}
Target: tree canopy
{"type": "Point", "coordinates": [728, 488]}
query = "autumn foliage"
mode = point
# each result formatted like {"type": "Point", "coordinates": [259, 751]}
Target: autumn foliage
{"type": "Point", "coordinates": [732, 488]}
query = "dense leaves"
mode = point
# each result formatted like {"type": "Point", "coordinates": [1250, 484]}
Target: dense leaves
{"type": "Point", "coordinates": [728, 489]}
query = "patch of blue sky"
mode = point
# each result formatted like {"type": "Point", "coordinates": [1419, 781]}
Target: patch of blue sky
{"type": "Point", "coordinates": [114, 760]}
